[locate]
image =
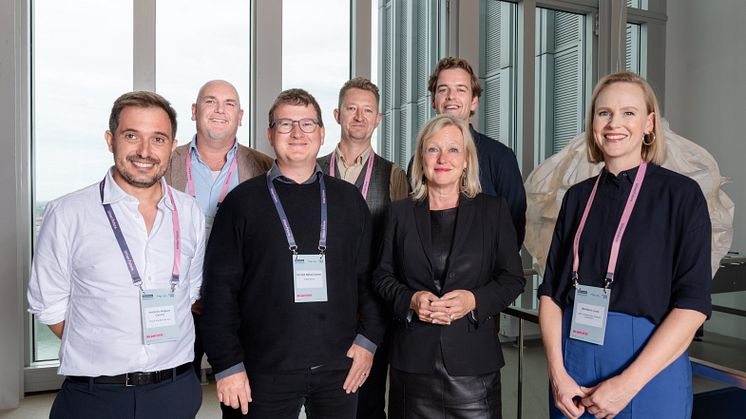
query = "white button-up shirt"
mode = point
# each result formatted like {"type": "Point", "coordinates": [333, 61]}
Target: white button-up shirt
{"type": "Point", "coordinates": [78, 275]}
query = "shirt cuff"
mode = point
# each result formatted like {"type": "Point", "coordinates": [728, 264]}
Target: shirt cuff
{"type": "Point", "coordinates": [364, 342]}
{"type": "Point", "coordinates": [229, 371]}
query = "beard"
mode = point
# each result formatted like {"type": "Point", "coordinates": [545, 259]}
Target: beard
{"type": "Point", "coordinates": [139, 181]}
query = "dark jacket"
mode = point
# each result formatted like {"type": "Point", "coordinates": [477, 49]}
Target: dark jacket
{"type": "Point", "coordinates": [484, 260]}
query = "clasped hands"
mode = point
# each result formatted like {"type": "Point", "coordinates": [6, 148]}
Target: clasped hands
{"type": "Point", "coordinates": [604, 400]}
{"type": "Point", "coordinates": [442, 310]}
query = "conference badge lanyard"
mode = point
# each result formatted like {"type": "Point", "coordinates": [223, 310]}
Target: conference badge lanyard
{"type": "Point", "coordinates": [210, 216]}
{"type": "Point", "coordinates": [368, 171]}
{"type": "Point", "coordinates": [591, 307]}
{"type": "Point", "coordinates": [157, 306]}
{"type": "Point", "coordinates": [309, 270]}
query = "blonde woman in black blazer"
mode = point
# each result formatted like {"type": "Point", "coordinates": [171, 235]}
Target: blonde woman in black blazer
{"type": "Point", "coordinates": [448, 265]}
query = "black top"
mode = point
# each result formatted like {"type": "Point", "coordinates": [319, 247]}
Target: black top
{"type": "Point", "coordinates": [442, 227]}
{"type": "Point", "coordinates": [483, 259]}
{"type": "Point", "coordinates": [249, 314]}
{"type": "Point", "coordinates": [664, 257]}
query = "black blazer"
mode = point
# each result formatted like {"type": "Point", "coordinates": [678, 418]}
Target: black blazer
{"type": "Point", "coordinates": [484, 260]}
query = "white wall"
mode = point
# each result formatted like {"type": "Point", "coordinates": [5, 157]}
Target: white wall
{"type": "Point", "coordinates": [706, 103]}
{"type": "Point", "coordinates": [13, 168]}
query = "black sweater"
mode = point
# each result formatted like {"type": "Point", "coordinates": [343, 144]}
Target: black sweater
{"type": "Point", "coordinates": [248, 312]}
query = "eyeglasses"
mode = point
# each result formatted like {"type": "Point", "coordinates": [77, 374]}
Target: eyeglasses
{"type": "Point", "coordinates": [285, 126]}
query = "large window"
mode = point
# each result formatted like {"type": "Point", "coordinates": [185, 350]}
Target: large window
{"type": "Point", "coordinates": [410, 44]}
{"type": "Point", "coordinates": [197, 42]}
{"type": "Point", "coordinates": [316, 55]}
{"type": "Point", "coordinates": [80, 65]}
{"type": "Point", "coordinates": [560, 78]}
{"type": "Point", "coordinates": [498, 71]}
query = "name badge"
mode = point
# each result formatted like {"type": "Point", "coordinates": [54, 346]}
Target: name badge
{"type": "Point", "coordinates": [589, 313]}
{"type": "Point", "coordinates": [309, 278]}
{"type": "Point", "coordinates": [158, 313]}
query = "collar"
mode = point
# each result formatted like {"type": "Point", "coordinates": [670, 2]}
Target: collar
{"type": "Point", "coordinates": [361, 159]}
{"type": "Point", "coordinates": [275, 173]}
{"type": "Point", "coordinates": [195, 152]}
{"type": "Point", "coordinates": [113, 193]}
{"type": "Point", "coordinates": [627, 176]}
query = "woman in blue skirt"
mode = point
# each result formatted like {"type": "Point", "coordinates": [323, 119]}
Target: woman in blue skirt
{"type": "Point", "coordinates": [627, 281]}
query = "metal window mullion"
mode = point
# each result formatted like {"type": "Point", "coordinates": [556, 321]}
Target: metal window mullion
{"type": "Point", "coordinates": [143, 44]}
{"type": "Point", "coordinates": [525, 84]}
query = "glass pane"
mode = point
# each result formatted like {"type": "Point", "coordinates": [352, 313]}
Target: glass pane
{"type": "Point", "coordinates": [81, 64]}
{"type": "Point", "coordinates": [197, 42]}
{"type": "Point", "coordinates": [316, 55]}
{"type": "Point", "coordinates": [560, 79]}
{"type": "Point", "coordinates": [638, 4]}
{"type": "Point", "coordinates": [410, 45]}
{"type": "Point", "coordinates": [498, 71]}
{"type": "Point", "coordinates": [634, 48]}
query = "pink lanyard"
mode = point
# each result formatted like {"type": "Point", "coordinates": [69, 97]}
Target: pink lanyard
{"type": "Point", "coordinates": [190, 178]}
{"type": "Point", "coordinates": [134, 274]}
{"type": "Point", "coordinates": [631, 200]}
{"type": "Point", "coordinates": [368, 171]}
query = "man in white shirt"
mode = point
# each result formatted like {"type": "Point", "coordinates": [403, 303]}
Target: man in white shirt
{"type": "Point", "coordinates": [116, 268]}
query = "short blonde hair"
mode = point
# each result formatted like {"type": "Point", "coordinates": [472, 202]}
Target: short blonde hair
{"type": "Point", "coordinates": [655, 151]}
{"type": "Point", "coordinates": [470, 179]}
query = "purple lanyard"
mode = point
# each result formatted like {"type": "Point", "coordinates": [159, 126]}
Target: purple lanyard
{"type": "Point", "coordinates": [115, 227]}
{"type": "Point", "coordinates": [293, 246]}
{"type": "Point", "coordinates": [190, 178]}
{"type": "Point", "coordinates": [368, 171]}
{"type": "Point", "coordinates": [631, 200]}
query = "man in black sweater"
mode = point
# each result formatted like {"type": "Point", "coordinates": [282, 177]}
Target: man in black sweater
{"type": "Point", "coordinates": [288, 319]}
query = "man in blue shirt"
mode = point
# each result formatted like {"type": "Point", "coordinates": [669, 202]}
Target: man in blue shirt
{"type": "Point", "coordinates": [213, 163]}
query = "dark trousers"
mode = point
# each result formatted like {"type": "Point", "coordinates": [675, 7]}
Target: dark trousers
{"type": "Point", "coordinates": [372, 395]}
{"type": "Point", "coordinates": [281, 395]}
{"type": "Point", "coordinates": [198, 351]}
{"type": "Point", "coordinates": [178, 398]}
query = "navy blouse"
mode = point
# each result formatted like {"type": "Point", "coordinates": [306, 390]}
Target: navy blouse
{"type": "Point", "coordinates": [664, 257]}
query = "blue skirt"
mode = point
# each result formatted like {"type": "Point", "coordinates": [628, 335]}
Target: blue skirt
{"type": "Point", "coordinates": [667, 396]}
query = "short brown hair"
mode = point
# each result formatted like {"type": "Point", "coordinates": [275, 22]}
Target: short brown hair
{"type": "Point", "coordinates": [359, 83]}
{"type": "Point", "coordinates": [451, 63]}
{"type": "Point", "coordinates": [141, 99]}
{"type": "Point", "coordinates": [655, 152]}
{"type": "Point", "coordinates": [295, 97]}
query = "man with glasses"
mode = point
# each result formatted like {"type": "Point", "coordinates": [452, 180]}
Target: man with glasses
{"type": "Point", "coordinates": [116, 268]}
{"type": "Point", "coordinates": [288, 319]}
{"type": "Point", "coordinates": [213, 163]}
{"type": "Point", "coordinates": [380, 182]}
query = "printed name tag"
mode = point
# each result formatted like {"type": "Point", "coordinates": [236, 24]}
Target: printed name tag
{"type": "Point", "coordinates": [589, 314]}
{"type": "Point", "coordinates": [158, 313]}
{"type": "Point", "coordinates": [309, 278]}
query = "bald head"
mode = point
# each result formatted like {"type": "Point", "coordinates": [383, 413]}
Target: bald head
{"type": "Point", "coordinates": [217, 112]}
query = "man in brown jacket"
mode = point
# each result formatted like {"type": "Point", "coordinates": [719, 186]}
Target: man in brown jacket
{"type": "Point", "coordinates": [213, 163]}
